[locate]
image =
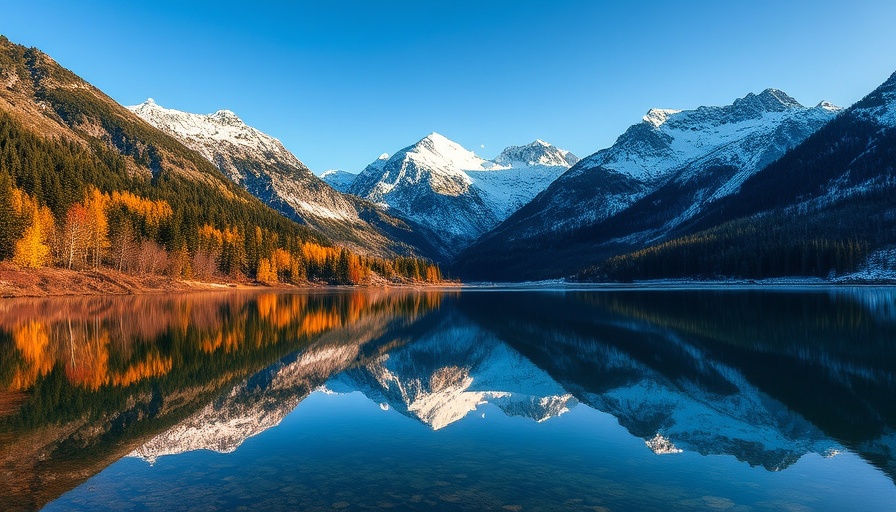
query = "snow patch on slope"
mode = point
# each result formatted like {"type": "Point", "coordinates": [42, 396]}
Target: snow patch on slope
{"type": "Point", "coordinates": [451, 190]}
{"type": "Point", "coordinates": [339, 180]}
{"type": "Point", "coordinates": [253, 159]}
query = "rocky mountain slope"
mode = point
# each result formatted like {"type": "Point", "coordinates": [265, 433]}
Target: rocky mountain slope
{"type": "Point", "coordinates": [64, 138]}
{"type": "Point", "coordinates": [339, 180]}
{"type": "Point", "coordinates": [261, 165]}
{"type": "Point", "coordinates": [824, 209]}
{"type": "Point", "coordinates": [658, 174]}
{"type": "Point", "coordinates": [457, 195]}
{"type": "Point", "coordinates": [450, 372]}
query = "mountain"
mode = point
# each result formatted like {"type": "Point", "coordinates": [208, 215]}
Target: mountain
{"type": "Point", "coordinates": [659, 173]}
{"type": "Point", "coordinates": [681, 372]}
{"type": "Point", "coordinates": [63, 138]}
{"type": "Point", "coordinates": [450, 372]}
{"type": "Point", "coordinates": [824, 209]}
{"type": "Point", "coordinates": [457, 195]}
{"type": "Point", "coordinates": [339, 180]}
{"type": "Point", "coordinates": [131, 197]}
{"type": "Point", "coordinates": [260, 164]}
{"type": "Point", "coordinates": [519, 174]}
{"type": "Point", "coordinates": [252, 406]}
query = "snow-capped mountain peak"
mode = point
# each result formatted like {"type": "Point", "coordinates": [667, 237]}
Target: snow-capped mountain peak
{"type": "Point", "coordinates": [255, 160]}
{"type": "Point", "coordinates": [440, 184]}
{"type": "Point", "coordinates": [769, 100]}
{"type": "Point", "coordinates": [227, 117]}
{"type": "Point", "coordinates": [657, 116]}
{"type": "Point", "coordinates": [204, 132]}
{"type": "Point", "coordinates": [827, 105]}
{"type": "Point", "coordinates": [667, 139]}
{"type": "Point", "coordinates": [444, 153]}
{"type": "Point", "coordinates": [535, 153]}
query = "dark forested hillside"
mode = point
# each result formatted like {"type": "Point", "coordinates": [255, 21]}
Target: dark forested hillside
{"type": "Point", "coordinates": [820, 210]}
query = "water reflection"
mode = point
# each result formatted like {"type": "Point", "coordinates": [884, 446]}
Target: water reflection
{"type": "Point", "coordinates": [85, 381]}
{"type": "Point", "coordinates": [764, 376]}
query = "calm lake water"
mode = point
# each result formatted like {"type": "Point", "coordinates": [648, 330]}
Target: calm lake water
{"type": "Point", "coordinates": [469, 400]}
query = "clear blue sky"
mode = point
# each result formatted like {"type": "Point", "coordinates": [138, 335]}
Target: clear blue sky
{"type": "Point", "coordinates": [340, 82]}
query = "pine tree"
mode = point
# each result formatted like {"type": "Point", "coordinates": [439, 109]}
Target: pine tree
{"type": "Point", "coordinates": [10, 224]}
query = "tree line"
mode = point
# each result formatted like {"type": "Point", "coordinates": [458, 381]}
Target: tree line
{"type": "Point", "coordinates": [819, 243]}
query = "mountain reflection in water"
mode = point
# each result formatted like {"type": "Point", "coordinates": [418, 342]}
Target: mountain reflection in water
{"type": "Point", "coordinates": [764, 376]}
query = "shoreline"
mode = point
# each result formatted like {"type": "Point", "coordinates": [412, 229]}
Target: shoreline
{"type": "Point", "coordinates": [16, 282]}
{"type": "Point", "coordinates": [45, 282]}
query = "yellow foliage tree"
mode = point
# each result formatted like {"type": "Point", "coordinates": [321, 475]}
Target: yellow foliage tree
{"type": "Point", "coordinates": [154, 212]}
{"type": "Point", "coordinates": [33, 249]}
{"type": "Point", "coordinates": [96, 204]}
{"type": "Point", "coordinates": [266, 272]}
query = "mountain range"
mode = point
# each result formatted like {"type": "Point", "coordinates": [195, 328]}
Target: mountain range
{"type": "Point", "coordinates": [825, 209]}
{"type": "Point", "coordinates": [261, 165]}
{"type": "Point", "coordinates": [455, 193]}
{"type": "Point", "coordinates": [764, 187]}
{"type": "Point", "coordinates": [659, 173]}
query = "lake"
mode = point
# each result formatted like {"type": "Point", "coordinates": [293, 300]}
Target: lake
{"type": "Point", "coordinates": [560, 399]}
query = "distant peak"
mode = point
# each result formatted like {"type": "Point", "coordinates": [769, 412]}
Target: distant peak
{"type": "Point", "coordinates": [384, 156]}
{"type": "Point", "coordinates": [537, 152]}
{"type": "Point", "coordinates": [335, 172]}
{"type": "Point", "coordinates": [148, 104]}
{"type": "Point", "coordinates": [781, 96]}
{"type": "Point", "coordinates": [435, 137]}
{"type": "Point", "coordinates": [827, 105]}
{"type": "Point", "coordinates": [769, 100]}
{"type": "Point", "coordinates": [438, 143]}
{"type": "Point", "coordinates": [227, 116]}
{"type": "Point", "coordinates": [658, 116]}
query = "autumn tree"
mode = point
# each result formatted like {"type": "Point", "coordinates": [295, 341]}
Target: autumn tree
{"type": "Point", "coordinates": [97, 225]}
{"type": "Point", "coordinates": [75, 235]}
{"type": "Point", "coordinates": [266, 272]}
{"type": "Point", "coordinates": [32, 250]}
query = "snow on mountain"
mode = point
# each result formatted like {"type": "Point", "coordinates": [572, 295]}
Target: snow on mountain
{"type": "Point", "coordinates": [443, 186]}
{"type": "Point", "coordinates": [748, 134]}
{"type": "Point", "coordinates": [426, 183]}
{"type": "Point", "coordinates": [698, 155]}
{"type": "Point", "coordinates": [449, 373]}
{"type": "Point", "coordinates": [270, 172]}
{"type": "Point", "coordinates": [520, 173]}
{"type": "Point", "coordinates": [339, 180]}
{"type": "Point", "coordinates": [880, 105]}
{"type": "Point", "coordinates": [251, 407]}
{"type": "Point", "coordinates": [251, 158]}
{"type": "Point", "coordinates": [666, 140]}
{"type": "Point", "coordinates": [538, 153]}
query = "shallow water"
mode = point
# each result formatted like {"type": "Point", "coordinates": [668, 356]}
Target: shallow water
{"type": "Point", "coordinates": [506, 400]}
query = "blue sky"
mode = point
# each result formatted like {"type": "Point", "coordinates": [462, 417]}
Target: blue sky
{"type": "Point", "coordinates": [341, 82]}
